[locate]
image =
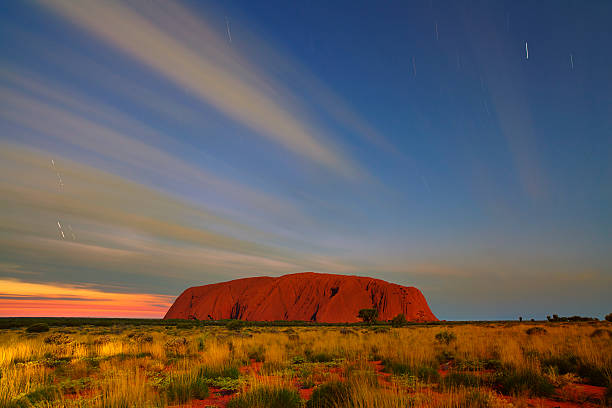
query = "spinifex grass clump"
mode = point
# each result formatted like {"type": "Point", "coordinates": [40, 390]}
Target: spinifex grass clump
{"type": "Point", "coordinates": [330, 395]}
{"type": "Point", "coordinates": [185, 387]}
{"type": "Point", "coordinates": [445, 337]}
{"type": "Point", "coordinates": [265, 396]}
{"type": "Point", "coordinates": [572, 364]}
{"type": "Point", "coordinates": [525, 382]}
{"type": "Point", "coordinates": [425, 373]}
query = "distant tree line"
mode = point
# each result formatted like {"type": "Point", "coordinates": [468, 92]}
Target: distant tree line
{"type": "Point", "coordinates": [557, 318]}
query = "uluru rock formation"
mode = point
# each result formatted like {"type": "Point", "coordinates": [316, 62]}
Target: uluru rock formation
{"type": "Point", "coordinates": [305, 296]}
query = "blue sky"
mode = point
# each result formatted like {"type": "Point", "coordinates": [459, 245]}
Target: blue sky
{"type": "Point", "coordinates": [415, 142]}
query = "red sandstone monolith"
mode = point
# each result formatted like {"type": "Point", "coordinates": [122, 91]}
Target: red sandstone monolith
{"type": "Point", "coordinates": [308, 296]}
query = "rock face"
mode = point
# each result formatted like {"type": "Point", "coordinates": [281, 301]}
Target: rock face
{"type": "Point", "coordinates": [306, 296]}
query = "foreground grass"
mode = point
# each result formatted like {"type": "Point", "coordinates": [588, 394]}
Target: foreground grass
{"type": "Point", "coordinates": [152, 365]}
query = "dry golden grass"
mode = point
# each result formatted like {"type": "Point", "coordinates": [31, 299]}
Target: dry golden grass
{"type": "Point", "coordinates": [135, 366]}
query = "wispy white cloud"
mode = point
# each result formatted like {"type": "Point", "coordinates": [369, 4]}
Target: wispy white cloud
{"type": "Point", "coordinates": [249, 99]}
{"type": "Point", "coordinates": [125, 229]}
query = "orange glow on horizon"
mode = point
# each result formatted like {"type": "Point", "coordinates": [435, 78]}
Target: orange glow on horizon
{"type": "Point", "coordinates": [22, 299]}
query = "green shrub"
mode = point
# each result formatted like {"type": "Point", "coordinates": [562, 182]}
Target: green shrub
{"type": "Point", "coordinates": [228, 371]}
{"type": "Point", "coordinates": [235, 324]}
{"type": "Point", "coordinates": [445, 337]}
{"type": "Point", "coordinates": [330, 395]}
{"type": "Point", "coordinates": [609, 317]}
{"type": "Point", "coordinates": [267, 397]}
{"type": "Point", "coordinates": [368, 315]}
{"type": "Point", "coordinates": [395, 367]}
{"type": "Point", "coordinates": [427, 374]}
{"type": "Point", "coordinates": [320, 357]}
{"type": "Point", "coordinates": [567, 363]}
{"type": "Point", "coordinates": [423, 373]}
{"type": "Point", "coordinates": [182, 389]}
{"type": "Point", "coordinates": [399, 320]}
{"type": "Point", "coordinates": [226, 383]}
{"type": "Point", "coordinates": [570, 363]}
{"type": "Point", "coordinates": [528, 381]}
{"type": "Point", "coordinates": [38, 328]}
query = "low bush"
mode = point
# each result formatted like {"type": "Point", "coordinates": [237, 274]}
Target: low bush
{"type": "Point", "coordinates": [427, 374]}
{"type": "Point", "coordinates": [330, 395]}
{"type": "Point", "coordinates": [227, 371]}
{"type": "Point", "coordinates": [268, 397]}
{"type": "Point", "coordinates": [319, 357]}
{"type": "Point", "coordinates": [423, 373]}
{"type": "Point", "coordinates": [234, 325]}
{"type": "Point", "coordinates": [140, 338]}
{"type": "Point", "coordinates": [570, 363]}
{"type": "Point", "coordinates": [58, 339]}
{"type": "Point", "coordinates": [527, 381]}
{"type": "Point", "coordinates": [104, 339]}
{"type": "Point", "coordinates": [176, 345]}
{"type": "Point", "coordinates": [601, 333]}
{"type": "Point", "coordinates": [399, 320]}
{"type": "Point", "coordinates": [381, 330]}
{"type": "Point", "coordinates": [566, 363]}
{"type": "Point", "coordinates": [38, 328]}
{"type": "Point", "coordinates": [445, 337]}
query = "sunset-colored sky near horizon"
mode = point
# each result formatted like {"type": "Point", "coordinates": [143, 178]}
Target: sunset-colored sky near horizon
{"type": "Point", "coordinates": [146, 147]}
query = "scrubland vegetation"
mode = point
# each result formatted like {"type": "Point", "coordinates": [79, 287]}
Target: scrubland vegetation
{"type": "Point", "coordinates": [443, 365]}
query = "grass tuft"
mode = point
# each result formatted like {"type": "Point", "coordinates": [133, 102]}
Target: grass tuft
{"type": "Point", "coordinates": [267, 397]}
{"type": "Point", "coordinates": [330, 395]}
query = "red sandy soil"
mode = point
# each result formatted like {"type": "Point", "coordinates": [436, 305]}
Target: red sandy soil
{"type": "Point", "coordinates": [302, 296]}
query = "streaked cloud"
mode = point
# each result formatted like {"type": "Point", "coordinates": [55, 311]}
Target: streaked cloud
{"type": "Point", "coordinates": [125, 230]}
{"type": "Point", "coordinates": [249, 99]}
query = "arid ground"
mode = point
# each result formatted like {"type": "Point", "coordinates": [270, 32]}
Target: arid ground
{"type": "Point", "coordinates": [188, 364]}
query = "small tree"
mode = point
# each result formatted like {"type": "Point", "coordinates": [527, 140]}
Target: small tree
{"type": "Point", "coordinates": [234, 324]}
{"type": "Point", "coordinates": [368, 315]}
{"type": "Point", "coordinates": [609, 317]}
{"type": "Point", "coordinates": [399, 320]}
